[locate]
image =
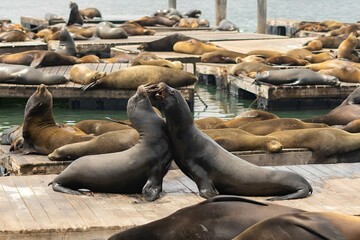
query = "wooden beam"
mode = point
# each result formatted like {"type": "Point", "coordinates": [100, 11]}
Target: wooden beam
{"type": "Point", "coordinates": [220, 11]}
{"type": "Point", "coordinates": [172, 4]}
{"type": "Point", "coordinates": [261, 16]}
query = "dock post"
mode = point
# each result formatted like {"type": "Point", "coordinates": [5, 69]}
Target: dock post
{"type": "Point", "coordinates": [220, 11]}
{"type": "Point", "coordinates": [172, 4]}
{"type": "Point", "coordinates": [261, 16]}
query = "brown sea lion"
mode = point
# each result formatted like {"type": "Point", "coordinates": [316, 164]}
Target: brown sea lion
{"type": "Point", "coordinates": [90, 13]}
{"type": "Point", "coordinates": [230, 215]}
{"type": "Point", "coordinates": [351, 127]}
{"type": "Point", "coordinates": [40, 132]}
{"type": "Point", "coordinates": [192, 23]}
{"type": "Point", "coordinates": [90, 58]}
{"type": "Point", "coordinates": [195, 47]}
{"type": "Point", "coordinates": [214, 169]}
{"type": "Point", "coordinates": [136, 29]}
{"type": "Point", "coordinates": [37, 58]}
{"type": "Point", "coordinates": [140, 168]}
{"type": "Point", "coordinates": [155, 20]}
{"type": "Point", "coordinates": [221, 56]}
{"type": "Point", "coordinates": [251, 58]}
{"type": "Point", "coordinates": [346, 112]}
{"type": "Point", "coordinates": [248, 67]}
{"type": "Point", "coordinates": [331, 41]}
{"type": "Point", "coordinates": [344, 74]}
{"type": "Point", "coordinates": [234, 139]}
{"type": "Point", "coordinates": [314, 45]}
{"type": "Point", "coordinates": [264, 53]}
{"type": "Point", "coordinates": [344, 30]}
{"type": "Point", "coordinates": [110, 142]}
{"type": "Point", "coordinates": [164, 44]}
{"type": "Point", "coordinates": [299, 53]}
{"type": "Point", "coordinates": [74, 17]}
{"type": "Point", "coordinates": [266, 127]}
{"type": "Point", "coordinates": [286, 60]}
{"type": "Point", "coordinates": [84, 31]}
{"type": "Point", "coordinates": [132, 77]}
{"type": "Point", "coordinates": [83, 74]}
{"type": "Point", "coordinates": [208, 122]}
{"type": "Point", "coordinates": [13, 36]}
{"type": "Point", "coordinates": [306, 225]}
{"type": "Point", "coordinates": [19, 74]}
{"type": "Point", "coordinates": [320, 57]}
{"type": "Point", "coordinates": [334, 63]}
{"type": "Point", "coordinates": [159, 62]}
{"type": "Point", "coordinates": [347, 47]}
{"type": "Point", "coordinates": [98, 127]}
{"type": "Point", "coordinates": [108, 30]}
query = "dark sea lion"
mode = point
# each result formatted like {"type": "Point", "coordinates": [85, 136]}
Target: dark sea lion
{"type": "Point", "coordinates": [163, 44]}
{"type": "Point", "coordinates": [90, 13]}
{"type": "Point", "coordinates": [193, 13]}
{"type": "Point", "coordinates": [208, 122]}
{"type": "Point", "coordinates": [195, 47]}
{"type": "Point", "coordinates": [9, 135]}
{"type": "Point", "coordinates": [234, 139]}
{"type": "Point", "coordinates": [83, 74]}
{"type": "Point", "coordinates": [19, 74]}
{"type": "Point", "coordinates": [136, 29]}
{"type": "Point", "coordinates": [40, 132]}
{"type": "Point", "coordinates": [226, 25]}
{"type": "Point", "coordinates": [266, 127]}
{"type": "Point", "coordinates": [108, 30]}
{"type": "Point", "coordinates": [306, 225]}
{"type": "Point", "coordinates": [286, 60]}
{"type": "Point", "coordinates": [294, 77]}
{"type": "Point", "coordinates": [346, 112]}
{"type": "Point", "coordinates": [217, 218]}
{"type": "Point", "coordinates": [74, 17]}
{"type": "Point", "coordinates": [67, 44]}
{"type": "Point", "coordinates": [138, 169]}
{"type": "Point", "coordinates": [132, 77]}
{"type": "Point", "coordinates": [221, 56]}
{"type": "Point", "coordinates": [98, 127]}
{"type": "Point", "coordinates": [37, 58]}
{"type": "Point", "coordinates": [110, 142]}
{"type": "Point", "coordinates": [214, 169]}
{"type": "Point", "coordinates": [344, 74]}
{"type": "Point", "coordinates": [323, 142]}
{"type": "Point", "coordinates": [347, 47]}
{"type": "Point", "coordinates": [13, 36]}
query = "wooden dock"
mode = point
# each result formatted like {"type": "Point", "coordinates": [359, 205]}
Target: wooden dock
{"type": "Point", "coordinates": [30, 208]}
{"type": "Point", "coordinates": [91, 99]}
{"type": "Point", "coordinates": [16, 47]}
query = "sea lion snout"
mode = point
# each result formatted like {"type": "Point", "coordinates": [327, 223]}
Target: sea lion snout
{"type": "Point", "coordinates": [41, 89]}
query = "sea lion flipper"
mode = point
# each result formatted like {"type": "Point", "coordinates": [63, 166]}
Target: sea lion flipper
{"type": "Point", "coordinates": [151, 191]}
{"type": "Point", "coordinates": [58, 188]}
{"type": "Point", "coordinates": [89, 86]}
{"type": "Point", "coordinates": [38, 58]}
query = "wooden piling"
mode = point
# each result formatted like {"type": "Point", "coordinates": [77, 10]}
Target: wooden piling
{"type": "Point", "coordinates": [261, 16]}
{"type": "Point", "coordinates": [172, 4]}
{"type": "Point", "coordinates": [220, 11]}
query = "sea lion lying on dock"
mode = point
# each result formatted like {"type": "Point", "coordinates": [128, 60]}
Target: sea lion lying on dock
{"type": "Point", "coordinates": [164, 44]}
{"type": "Point", "coordinates": [90, 13]}
{"type": "Point", "coordinates": [195, 47]}
{"type": "Point", "coordinates": [221, 56]}
{"type": "Point", "coordinates": [108, 30]}
{"type": "Point", "coordinates": [83, 74]}
{"type": "Point", "coordinates": [98, 127]}
{"type": "Point", "coordinates": [223, 217]}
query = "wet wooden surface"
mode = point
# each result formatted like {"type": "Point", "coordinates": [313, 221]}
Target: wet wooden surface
{"type": "Point", "coordinates": [29, 205]}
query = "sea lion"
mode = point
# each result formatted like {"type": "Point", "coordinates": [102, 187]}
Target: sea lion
{"type": "Point", "coordinates": [10, 135]}
{"type": "Point", "coordinates": [40, 132]}
{"type": "Point", "coordinates": [221, 56]}
{"type": "Point", "coordinates": [19, 74]}
{"type": "Point", "coordinates": [351, 127]}
{"type": "Point", "coordinates": [299, 53]}
{"type": "Point", "coordinates": [83, 74]}
{"type": "Point", "coordinates": [250, 58]}
{"type": "Point", "coordinates": [347, 47]}
{"type": "Point", "coordinates": [286, 60]}
{"type": "Point", "coordinates": [344, 74]}
{"type": "Point", "coordinates": [329, 41]}
{"type": "Point", "coordinates": [306, 225]}
{"type": "Point", "coordinates": [74, 17]}
{"type": "Point", "coordinates": [192, 23]}
{"type": "Point", "coordinates": [320, 57]}
{"type": "Point", "coordinates": [208, 122]}
{"type": "Point", "coordinates": [37, 58]}
{"type": "Point", "coordinates": [195, 47]}
{"type": "Point", "coordinates": [67, 44]}
{"type": "Point", "coordinates": [346, 112]}
{"type": "Point", "coordinates": [82, 32]}
{"type": "Point", "coordinates": [264, 53]}
{"type": "Point", "coordinates": [226, 25]}
{"type": "Point", "coordinates": [344, 30]}
{"type": "Point", "coordinates": [193, 13]}
{"type": "Point", "coordinates": [248, 67]}
{"type": "Point", "coordinates": [110, 142]}
{"type": "Point", "coordinates": [163, 44]}
{"type": "Point", "coordinates": [234, 139]}
{"type": "Point", "coordinates": [294, 77]}
{"type": "Point", "coordinates": [314, 45]}
{"type": "Point", "coordinates": [98, 127]}
{"type": "Point", "coordinates": [132, 77]}
{"type": "Point", "coordinates": [230, 215]}
{"type": "Point", "coordinates": [334, 63]}
{"type": "Point", "coordinates": [13, 36]}
{"type": "Point", "coordinates": [136, 29]}
{"type": "Point", "coordinates": [214, 169]}
{"type": "Point", "coordinates": [155, 20]}
{"type": "Point", "coordinates": [266, 127]}
{"type": "Point", "coordinates": [146, 58]}
{"type": "Point", "coordinates": [137, 169]}
{"type": "Point", "coordinates": [90, 13]}
{"type": "Point", "coordinates": [108, 30]}
{"type": "Point", "coordinates": [323, 142]}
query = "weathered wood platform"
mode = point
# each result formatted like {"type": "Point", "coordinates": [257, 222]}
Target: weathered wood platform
{"type": "Point", "coordinates": [90, 99]}
{"type": "Point", "coordinates": [31, 209]}
{"type": "Point", "coordinates": [15, 47]}
{"type": "Point", "coordinates": [272, 97]}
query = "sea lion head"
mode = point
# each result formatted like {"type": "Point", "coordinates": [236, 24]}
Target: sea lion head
{"type": "Point", "coordinates": [40, 101]}
{"type": "Point", "coordinates": [332, 80]}
{"type": "Point", "coordinates": [165, 95]}
{"type": "Point", "coordinates": [274, 145]}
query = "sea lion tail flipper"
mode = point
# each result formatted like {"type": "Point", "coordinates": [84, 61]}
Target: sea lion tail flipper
{"type": "Point", "coordinates": [58, 188]}
{"type": "Point", "coordinates": [305, 191]}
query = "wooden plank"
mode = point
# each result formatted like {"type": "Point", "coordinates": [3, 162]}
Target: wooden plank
{"type": "Point", "coordinates": [9, 220]}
